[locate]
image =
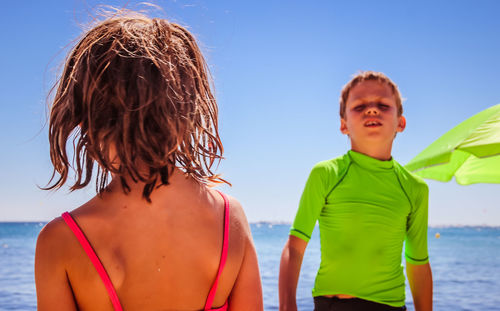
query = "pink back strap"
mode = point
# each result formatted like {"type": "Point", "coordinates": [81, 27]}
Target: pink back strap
{"type": "Point", "coordinates": [95, 260]}
{"type": "Point", "coordinates": [211, 294]}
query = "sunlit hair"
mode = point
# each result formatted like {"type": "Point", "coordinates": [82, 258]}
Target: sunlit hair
{"type": "Point", "coordinates": [138, 90]}
{"type": "Point", "coordinates": [369, 76]}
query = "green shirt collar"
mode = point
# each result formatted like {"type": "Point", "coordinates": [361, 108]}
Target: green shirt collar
{"type": "Point", "coordinates": [370, 163]}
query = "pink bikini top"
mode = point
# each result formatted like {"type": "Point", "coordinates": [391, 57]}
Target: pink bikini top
{"type": "Point", "coordinates": [107, 282]}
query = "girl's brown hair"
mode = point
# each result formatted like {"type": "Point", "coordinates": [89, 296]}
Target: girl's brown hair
{"type": "Point", "coordinates": [135, 96]}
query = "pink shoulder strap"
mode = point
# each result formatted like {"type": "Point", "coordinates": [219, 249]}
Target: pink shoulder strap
{"type": "Point", "coordinates": [95, 260]}
{"type": "Point", "coordinates": [211, 294]}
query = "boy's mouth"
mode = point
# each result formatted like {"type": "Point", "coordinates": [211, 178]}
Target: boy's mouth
{"type": "Point", "coordinates": [372, 123]}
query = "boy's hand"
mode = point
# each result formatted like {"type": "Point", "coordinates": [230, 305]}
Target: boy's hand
{"type": "Point", "coordinates": [291, 260]}
{"type": "Point", "coordinates": [420, 279]}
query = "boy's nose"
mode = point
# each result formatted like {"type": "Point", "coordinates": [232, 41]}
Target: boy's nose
{"type": "Point", "coordinates": [372, 110]}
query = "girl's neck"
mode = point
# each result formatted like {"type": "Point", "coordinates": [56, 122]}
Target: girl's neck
{"type": "Point", "coordinates": [176, 181]}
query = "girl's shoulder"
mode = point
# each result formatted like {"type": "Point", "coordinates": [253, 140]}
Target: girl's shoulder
{"type": "Point", "coordinates": [55, 232]}
{"type": "Point", "coordinates": [54, 244]}
{"type": "Point", "coordinates": [237, 217]}
{"type": "Point", "coordinates": [56, 239]}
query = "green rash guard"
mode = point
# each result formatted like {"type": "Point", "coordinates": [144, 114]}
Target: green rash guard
{"type": "Point", "coordinates": [366, 209]}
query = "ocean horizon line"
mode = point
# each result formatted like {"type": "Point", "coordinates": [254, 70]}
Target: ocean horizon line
{"type": "Point", "coordinates": [282, 222]}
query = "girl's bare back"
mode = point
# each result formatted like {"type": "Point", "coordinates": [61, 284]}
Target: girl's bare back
{"type": "Point", "coordinates": [175, 241]}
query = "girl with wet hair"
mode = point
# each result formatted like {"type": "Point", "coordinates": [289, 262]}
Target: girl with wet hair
{"type": "Point", "coordinates": [135, 103]}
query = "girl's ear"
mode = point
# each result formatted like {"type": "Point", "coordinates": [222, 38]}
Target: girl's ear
{"type": "Point", "coordinates": [401, 124]}
{"type": "Point", "coordinates": [343, 127]}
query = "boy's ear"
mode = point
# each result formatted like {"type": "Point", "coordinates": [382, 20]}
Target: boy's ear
{"type": "Point", "coordinates": [401, 124]}
{"type": "Point", "coordinates": [343, 127]}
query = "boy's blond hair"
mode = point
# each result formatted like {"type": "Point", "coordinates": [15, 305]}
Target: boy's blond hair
{"type": "Point", "coordinates": [369, 76]}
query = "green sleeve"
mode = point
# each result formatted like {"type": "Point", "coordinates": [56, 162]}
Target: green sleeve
{"type": "Point", "coordinates": [416, 231]}
{"type": "Point", "coordinates": [311, 203]}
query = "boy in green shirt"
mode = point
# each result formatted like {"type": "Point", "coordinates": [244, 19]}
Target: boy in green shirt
{"type": "Point", "coordinates": [367, 206]}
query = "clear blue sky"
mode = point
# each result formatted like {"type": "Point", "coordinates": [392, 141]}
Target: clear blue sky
{"type": "Point", "coordinates": [278, 68]}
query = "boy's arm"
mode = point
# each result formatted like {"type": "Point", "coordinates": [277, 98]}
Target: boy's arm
{"type": "Point", "coordinates": [420, 279]}
{"type": "Point", "coordinates": [418, 268]}
{"type": "Point", "coordinates": [310, 205]}
{"type": "Point", "coordinates": [291, 260]}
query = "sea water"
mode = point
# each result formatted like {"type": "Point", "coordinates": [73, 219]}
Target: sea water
{"type": "Point", "coordinates": [465, 264]}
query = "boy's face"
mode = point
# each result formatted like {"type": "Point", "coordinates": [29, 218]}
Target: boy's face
{"type": "Point", "coordinates": [371, 115]}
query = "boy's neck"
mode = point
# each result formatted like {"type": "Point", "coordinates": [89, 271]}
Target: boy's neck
{"type": "Point", "coordinates": [378, 152]}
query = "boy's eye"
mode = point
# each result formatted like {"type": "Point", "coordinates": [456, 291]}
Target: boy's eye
{"type": "Point", "coordinates": [359, 107]}
{"type": "Point", "coordinates": [383, 106]}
